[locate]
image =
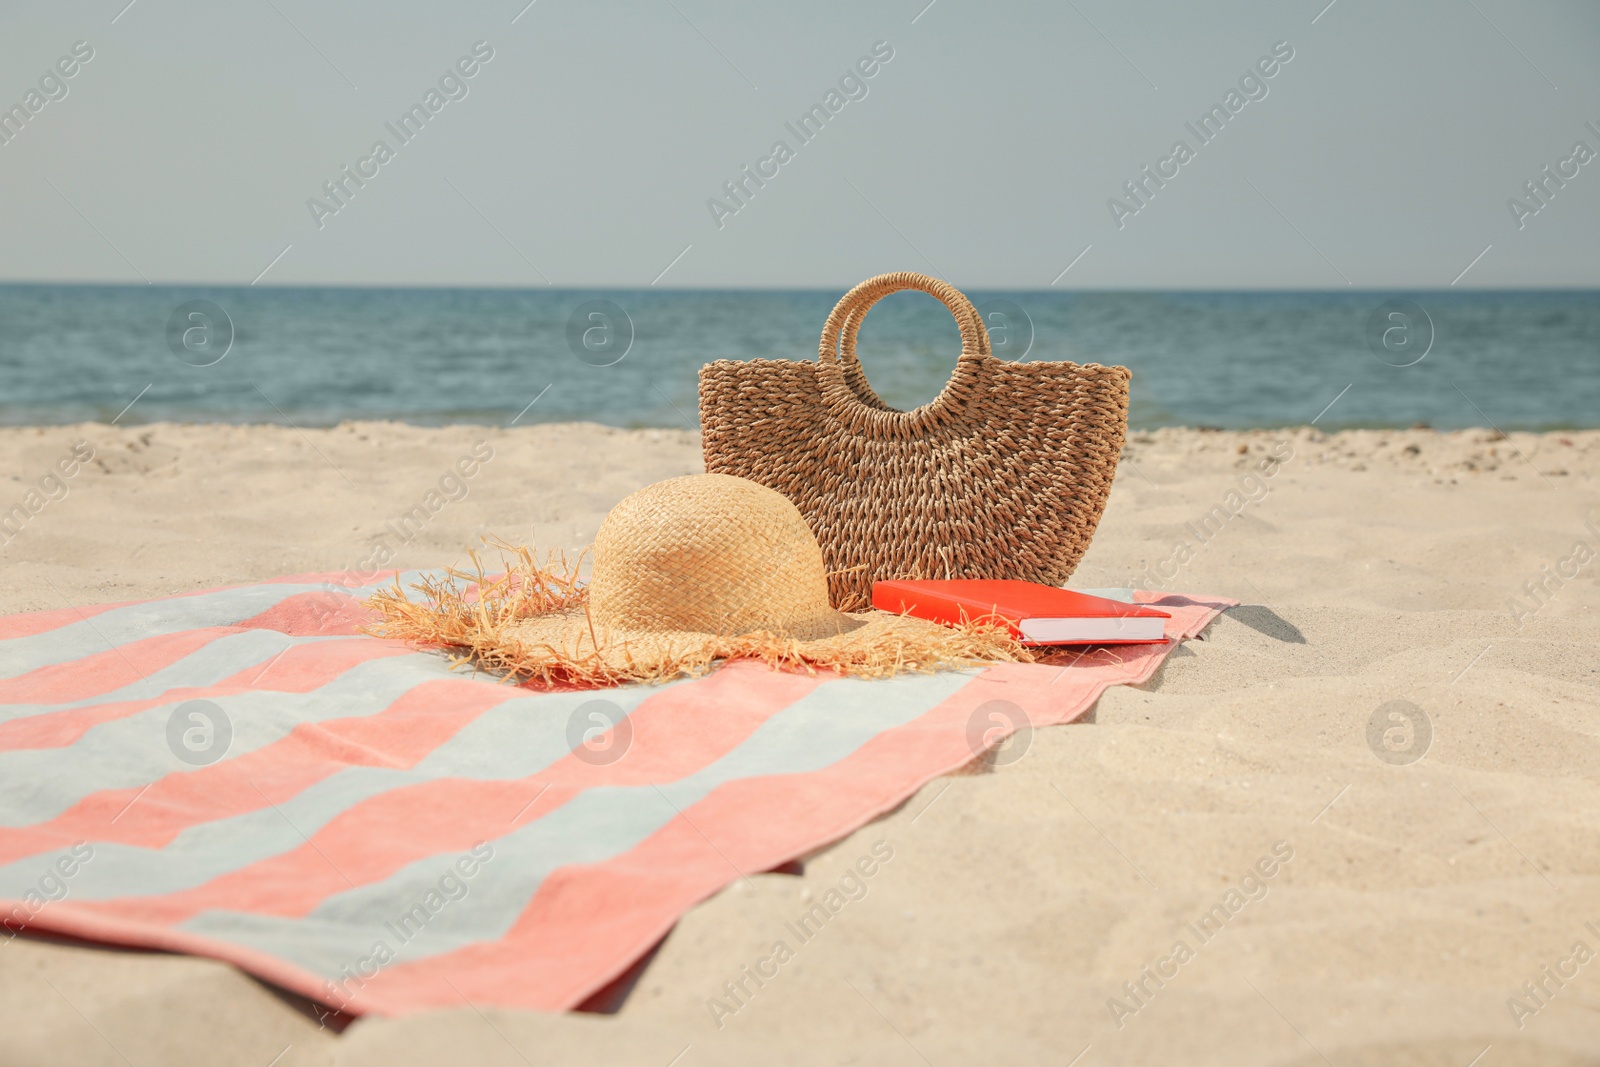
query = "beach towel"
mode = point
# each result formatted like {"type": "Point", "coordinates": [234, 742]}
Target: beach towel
{"type": "Point", "coordinates": [241, 774]}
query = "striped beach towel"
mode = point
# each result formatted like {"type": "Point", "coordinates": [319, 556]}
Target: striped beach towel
{"type": "Point", "coordinates": [241, 774]}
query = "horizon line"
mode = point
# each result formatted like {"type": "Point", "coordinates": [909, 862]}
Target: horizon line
{"type": "Point", "coordinates": [646, 287]}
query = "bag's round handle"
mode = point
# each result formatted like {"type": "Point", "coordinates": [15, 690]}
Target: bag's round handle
{"type": "Point", "coordinates": [844, 384]}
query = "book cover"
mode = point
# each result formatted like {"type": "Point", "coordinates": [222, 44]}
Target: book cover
{"type": "Point", "coordinates": [1036, 614]}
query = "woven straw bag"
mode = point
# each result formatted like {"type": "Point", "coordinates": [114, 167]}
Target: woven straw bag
{"type": "Point", "coordinates": [1003, 475]}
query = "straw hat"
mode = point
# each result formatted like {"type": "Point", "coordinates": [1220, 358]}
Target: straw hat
{"type": "Point", "coordinates": [686, 572]}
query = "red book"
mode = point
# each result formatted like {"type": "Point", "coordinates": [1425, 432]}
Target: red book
{"type": "Point", "coordinates": [1036, 614]}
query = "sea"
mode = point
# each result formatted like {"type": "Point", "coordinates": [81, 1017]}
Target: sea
{"type": "Point", "coordinates": [1518, 360]}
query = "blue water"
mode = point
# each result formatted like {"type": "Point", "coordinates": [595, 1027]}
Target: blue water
{"type": "Point", "coordinates": [1517, 360]}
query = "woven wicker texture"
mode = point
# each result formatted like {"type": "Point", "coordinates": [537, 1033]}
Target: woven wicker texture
{"type": "Point", "coordinates": [1003, 475]}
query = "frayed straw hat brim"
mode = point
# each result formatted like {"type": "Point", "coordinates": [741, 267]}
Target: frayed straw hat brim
{"type": "Point", "coordinates": [687, 573]}
{"type": "Point", "coordinates": [866, 643]}
{"type": "Point", "coordinates": [530, 624]}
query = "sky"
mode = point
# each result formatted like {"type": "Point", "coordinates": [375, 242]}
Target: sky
{"type": "Point", "coordinates": [990, 144]}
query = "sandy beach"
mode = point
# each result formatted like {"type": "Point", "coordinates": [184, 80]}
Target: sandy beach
{"type": "Point", "coordinates": [1400, 908]}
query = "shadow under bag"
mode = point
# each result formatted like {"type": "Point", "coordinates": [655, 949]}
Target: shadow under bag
{"type": "Point", "coordinates": [1003, 475]}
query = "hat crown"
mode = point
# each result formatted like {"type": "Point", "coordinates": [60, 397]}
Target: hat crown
{"type": "Point", "coordinates": [709, 553]}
